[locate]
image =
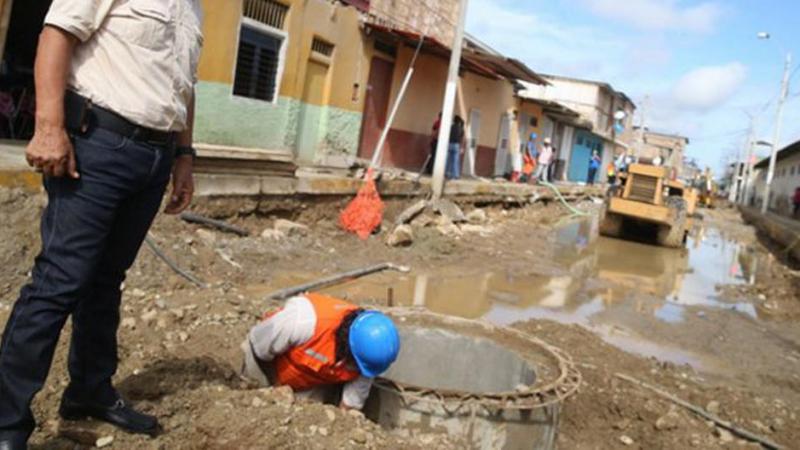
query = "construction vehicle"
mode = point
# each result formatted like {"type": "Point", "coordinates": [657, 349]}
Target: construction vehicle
{"type": "Point", "coordinates": [649, 200]}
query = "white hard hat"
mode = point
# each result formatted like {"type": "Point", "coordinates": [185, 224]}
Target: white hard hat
{"type": "Point", "coordinates": [547, 140]}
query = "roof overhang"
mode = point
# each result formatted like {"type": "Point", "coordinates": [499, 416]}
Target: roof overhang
{"type": "Point", "coordinates": [491, 66]}
{"type": "Point", "coordinates": [786, 152]}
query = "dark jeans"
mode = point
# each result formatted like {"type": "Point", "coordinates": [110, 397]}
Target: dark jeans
{"type": "Point", "coordinates": [91, 232]}
{"type": "Point", "coordinates": [592, 175]}
{"type": "Point", "coordinates": [453, 167]}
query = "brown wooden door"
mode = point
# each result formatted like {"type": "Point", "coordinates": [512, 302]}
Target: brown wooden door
{"type": "Point", "coordinates": [376, 105]}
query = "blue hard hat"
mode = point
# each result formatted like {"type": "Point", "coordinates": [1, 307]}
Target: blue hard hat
{"type": "Point", "coordinates": [374, 343]}
{"type": "Point", "coordinates": [534, 135]}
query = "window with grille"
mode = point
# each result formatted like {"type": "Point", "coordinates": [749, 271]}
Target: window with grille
{"type": "Point", "coordinates": [268, 12]}
{"type": "Point", "coordinates": [322, 47]}
{"type": "Point", "coordinates": [258, 63]}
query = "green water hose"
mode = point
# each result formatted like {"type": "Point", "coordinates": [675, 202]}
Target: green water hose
{"type": "Point", "coordinates": [572, 209]}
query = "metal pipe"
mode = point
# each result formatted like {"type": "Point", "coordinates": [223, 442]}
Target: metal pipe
{"type": "Point", "coordinates": [335, 279]}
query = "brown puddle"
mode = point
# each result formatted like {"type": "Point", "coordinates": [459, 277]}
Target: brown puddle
{"type": "Point", "coordinates": [618, 289]}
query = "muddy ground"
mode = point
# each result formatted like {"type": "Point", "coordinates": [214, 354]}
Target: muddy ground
{"type": "Point", "coordinates": [179, 343]}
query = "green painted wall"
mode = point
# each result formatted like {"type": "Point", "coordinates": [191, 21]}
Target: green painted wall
{"type": "Point", "coordinates": [307, 130]}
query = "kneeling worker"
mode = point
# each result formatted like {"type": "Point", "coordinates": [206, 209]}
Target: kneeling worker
{"type": "Point", "coordinates": [315, 342]}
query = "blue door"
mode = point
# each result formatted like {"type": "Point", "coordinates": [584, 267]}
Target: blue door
{"type": "Point", "coordinates": [582, 148]}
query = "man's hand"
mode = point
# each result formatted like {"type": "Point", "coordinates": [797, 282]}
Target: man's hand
{"type": "Point", "coordinates": [182, 185]}
{"type": "Point", "coordinates": [50, 152]}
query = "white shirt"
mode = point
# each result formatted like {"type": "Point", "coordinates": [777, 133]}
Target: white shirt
{"type": "Point", "coordinates": [136, 57]}
{"type": "Point", "coordinates": [546, 154]}
{"type": "Point", "coordinates": [294, 325]}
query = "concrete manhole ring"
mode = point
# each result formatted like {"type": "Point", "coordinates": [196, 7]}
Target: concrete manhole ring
{"type": "Point", "coordinates": [556, 376]}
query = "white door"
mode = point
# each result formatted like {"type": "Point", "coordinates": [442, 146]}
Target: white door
{"type": "Point", "coordinates": [502, 162]}
{"type": "Point", "coordinates": [473, 136]}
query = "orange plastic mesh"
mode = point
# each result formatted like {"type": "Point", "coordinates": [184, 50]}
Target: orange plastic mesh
{"type": "Point", "coordinates": [365, 213]}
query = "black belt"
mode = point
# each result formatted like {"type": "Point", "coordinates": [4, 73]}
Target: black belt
{"type": "Point", "coordinates": [82, 115]}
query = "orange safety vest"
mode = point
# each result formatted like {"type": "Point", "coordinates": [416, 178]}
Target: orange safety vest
{"type": "Point", "coordinates": [529, 164]}
{"type": "Point", "coordinates": [314, 363]}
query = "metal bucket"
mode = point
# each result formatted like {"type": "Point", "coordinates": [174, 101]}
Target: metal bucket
{"type": "Point", "coordinates": [485, 386]}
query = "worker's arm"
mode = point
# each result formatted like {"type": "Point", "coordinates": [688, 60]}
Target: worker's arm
{"type": "Point", "coordinates": [355, 393]}
{"type": "Point", "coordinates": [182, 179]}
{"type": "Point", "coordinates": [50, 149]}
{"type": "Point", "coordinates": [292, 326]}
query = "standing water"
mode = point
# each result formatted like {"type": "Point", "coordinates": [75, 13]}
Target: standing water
{"type": "Point", "coordinates": [619, 289]}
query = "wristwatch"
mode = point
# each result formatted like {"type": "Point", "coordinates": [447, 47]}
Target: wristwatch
{"type": "Point", "coordinates": [183, 150]}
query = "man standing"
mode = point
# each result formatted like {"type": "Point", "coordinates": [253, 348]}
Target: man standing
{"type": "Point", "coordinates": [455, 149]}
{"type": "Point", "coordinates": [594, 165]}
{"type": "Point", "coordinates": [545, 158]}
{"type": "Point", "coordinates": [115, 106]}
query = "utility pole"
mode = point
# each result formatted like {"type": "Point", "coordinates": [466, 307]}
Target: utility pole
{"type": "Point", "coordinates": [776, 141]}
{"type": "Point", "coordinates": [448, 105]}
{"type": "Point", "coordinates": [733, 193]}
{"type": "Point", "coordinates": [748, 168]}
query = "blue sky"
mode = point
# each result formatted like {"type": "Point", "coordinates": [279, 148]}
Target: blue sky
{"type": "Point", "coordinates": [698, 63]}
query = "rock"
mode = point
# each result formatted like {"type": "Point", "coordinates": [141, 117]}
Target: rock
{"type": "Point", "coordinates": [622, 424]}
{"type": "Point", "coordinates": [138, 293]}
{"type": "Point", "coordinates": [149, 316]}
{"type": "Point", "coordinates": [422, 221]}
{"type": "Point", "coordinates": [761, 428]}
{"type": "Point", "coordinates": [323, 431]}
{"type": "Point", "coordinates": [183, 336]}
{"type": "Point", "coordinates": [477, 217]}
{"type": "Point", "coordinates": [208, 237]}
{"type": "Point", "coordinates": [178, 313]}
{"type": "Point", "coordinates": [284, 395]}
{"type": "Point", "coordinates": [402, 236]}
{"type": "Point", "coordinates": [713, 407]}
{"type": "Point", "coordinates": [104, 441]}
{"type": "Point", "coordinates": [724, 435]}
{"type": "Point", "coordinates": [450, 230]}
{"type": "Point", "coordinates": [331, 415]}
{"type": "Point", "coordinates": [358, 435]}
{"type": "Point", "coordinates": [161, 304]}
{"type": "Point", "coordinates": [449, 209]}
{"type": "Point", "coordinates": [627, 440]}
{"type": "Point", "coordinates": [291, 229]}
{"type": "Point", "coordinates": [476, 229]}
{"type": "Point", "coordinates": [129, 323]}
{"type": "Point", "coordinates": [355, 413]}
{"type": "Point", "coordinates": [411, 212]}
{"type": "Point", "coordinates": [668, 421]}
{"type": "Point", "coordinates": [695, 440]}
{"type": "Point", "coordinates": [257, 402]}
{"type": "Point", "coordinates": [522, 388]}
{"type": "Point", "coordinates": [273, 235]}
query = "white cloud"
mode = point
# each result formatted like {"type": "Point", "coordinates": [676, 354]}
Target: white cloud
{"type": "Point", "coordinates": [546, 44]}
{"type": "Point", "coordinates": [659, 14]}
{"type": "Point", "coordinates": [708, 87]}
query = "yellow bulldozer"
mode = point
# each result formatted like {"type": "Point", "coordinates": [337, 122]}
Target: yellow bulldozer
{"type": "Point", "coordinates": [648, 199]}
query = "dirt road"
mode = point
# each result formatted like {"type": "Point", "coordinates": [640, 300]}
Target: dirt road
{"type": "Point", "coordinates": [715, 324]}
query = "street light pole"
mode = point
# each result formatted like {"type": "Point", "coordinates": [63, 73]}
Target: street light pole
{"type": "Point", "coordinates": [776, 141]}
{"type": "Point", "coordinates": [448, 105]}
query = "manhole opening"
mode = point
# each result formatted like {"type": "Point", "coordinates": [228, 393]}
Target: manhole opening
{"type": "Point", "coordinates": [434, 358]}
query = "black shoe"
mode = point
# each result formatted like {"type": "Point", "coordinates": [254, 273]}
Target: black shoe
{"type": "Point", "coordinates": [119, 414]}
{"type": "Point", "coordinates": [13, 442]}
